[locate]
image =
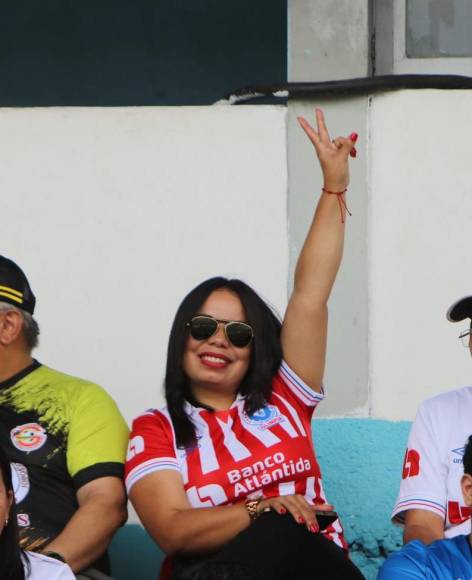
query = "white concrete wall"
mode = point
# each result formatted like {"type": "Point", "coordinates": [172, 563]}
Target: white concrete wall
{"type": "Point", "coordinates": [328, 40]}
{"type": "Point", "coordinates": [116, 213]}
{"type": "Point", "coordinates": [407, 248]}
{"type": "Point", "coordinates": [346, 374]}
{"type": "Point", "coordinates": [420, 240]}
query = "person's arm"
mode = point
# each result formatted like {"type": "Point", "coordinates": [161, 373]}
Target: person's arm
{"type": "Point", "coordinates": [96, 448]}
{"type": "Point", "coordinates": [102, 509]}
{"type": "Point", "coordinates": [162, 505]}
{"type": "Point", "coordinates": [422, 498]}
{"type": "Point", "coordinates": [423, 525]}
{"type": "Point", "coordinates": [304, 329]}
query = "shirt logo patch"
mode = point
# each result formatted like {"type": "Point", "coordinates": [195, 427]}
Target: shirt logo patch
{"type": "Point", "coordinates": [460, 451]}
{"type": "Point", "coordinates": [264, 418]}
{"type": "Point", "coordinates": [20, 481]}
{"type": "Point", "coordinates": [135, 447]}
{"type": "Point", "coordinates": [23, 520]}
{"type": "Point", "coordinates": [28, 437]}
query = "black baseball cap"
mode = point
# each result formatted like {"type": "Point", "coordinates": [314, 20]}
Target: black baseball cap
{"type": "Point", "coordinates": [460, 310]}
{"type": "Point", "coordinates": [14, 286]}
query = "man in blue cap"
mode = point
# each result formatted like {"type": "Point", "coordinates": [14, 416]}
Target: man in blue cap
{"type": "Point", "coordinates": [66, 441]}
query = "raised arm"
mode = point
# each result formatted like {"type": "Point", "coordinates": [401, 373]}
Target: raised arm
{"type": "Point", "coordinates": [304, 330]}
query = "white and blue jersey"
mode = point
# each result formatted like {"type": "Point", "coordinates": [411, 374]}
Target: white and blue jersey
{"type": "Point", "coordinates": [433, 464]}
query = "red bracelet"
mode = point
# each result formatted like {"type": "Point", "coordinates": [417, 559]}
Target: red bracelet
{"type": "Point", "coordinates": [341, 201]}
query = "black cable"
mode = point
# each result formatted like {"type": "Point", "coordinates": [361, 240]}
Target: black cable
{"type": "Point", "coordinates": [349, 87]}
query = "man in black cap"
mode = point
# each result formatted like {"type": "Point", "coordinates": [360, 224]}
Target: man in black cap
{"type": "Point", "coordinates": [446, 559]}
{"type": "Point", "coordinates": [430, 503]}
{"type": "Point", "coordinates": [66, 440]}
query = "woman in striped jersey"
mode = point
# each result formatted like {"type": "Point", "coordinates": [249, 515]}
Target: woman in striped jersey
{"type": "Point", "coordinates": [225, 478]}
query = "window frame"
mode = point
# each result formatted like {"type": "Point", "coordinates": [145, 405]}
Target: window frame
{"type": "Point", "coordinates": [390, 46]}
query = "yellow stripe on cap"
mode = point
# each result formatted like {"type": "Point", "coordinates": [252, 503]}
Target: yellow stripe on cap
{"type": "Point", "coordinates": [12, 291]}
{"type": "Point", "coordinates": [11, 297]}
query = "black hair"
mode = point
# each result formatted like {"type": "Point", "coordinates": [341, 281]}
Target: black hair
{"type": "Point", "coordinates": [11, 555]}
{"type": "Point", "coordinates": [266, 354]}
{"type": "Point", "coordinates": [468, 457]}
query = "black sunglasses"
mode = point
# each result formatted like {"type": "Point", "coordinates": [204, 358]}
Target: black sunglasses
{"type": "Point", "coordinates": [202, 327]}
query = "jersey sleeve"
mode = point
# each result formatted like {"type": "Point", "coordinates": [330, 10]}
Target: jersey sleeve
{"type": "Point", "coordinates": [290, 386]}
{"type": "Point", "coordinates": [45, 568]}
{"type": "Point", "coordinates": [97, 438]}
{"type": "Point", "coordinates": [424, 475]}
{"type": "Point", "coordinates": [409, 563]}
{"type": "Point", "coordinates": [151, 447]}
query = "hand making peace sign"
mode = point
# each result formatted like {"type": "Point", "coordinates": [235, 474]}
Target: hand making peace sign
{"type": "Point", "coordinates": [332, 154]}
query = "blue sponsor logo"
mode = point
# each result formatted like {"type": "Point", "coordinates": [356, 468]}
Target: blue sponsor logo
{"type": "Point", "coordinates": [460, 452]}
{"type": "Point", "coordinates": [263, 418]}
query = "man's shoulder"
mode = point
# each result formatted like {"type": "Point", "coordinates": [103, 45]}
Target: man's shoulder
{"type": "Point", "coordinates": [60, 378]}
{"type": "Point", "coordinates": [57, 379]}
{"type": "Point", "coordinates": [456, 547]}
{"type": "Point", "coordinates": [416, 560]}
{"type": "Point", "coordinates": [448, 399]}
{"type": "Point", "coordinates": [451, 555]}
{"type": "Point", "coordinates": [64, 393]}
{"type": "Point", "coordinates": [407, 562]}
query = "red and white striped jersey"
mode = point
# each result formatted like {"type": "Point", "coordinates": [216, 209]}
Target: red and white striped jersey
{"type": "Point", "coordinates": [238, 456]}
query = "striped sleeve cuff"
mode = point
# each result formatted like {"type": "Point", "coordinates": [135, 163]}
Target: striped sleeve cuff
{"type": "Point", "coordinates": [416, 503]}
{"type": "Point", "coordinates": [150, 466]}
{"type": "Point", "coordinates": [299, 388]}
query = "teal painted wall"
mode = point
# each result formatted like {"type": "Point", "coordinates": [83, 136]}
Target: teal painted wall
{"type": "Point", "coordinates": [361, 462]}
{"type": "Point", "coordinates": [134, 556]}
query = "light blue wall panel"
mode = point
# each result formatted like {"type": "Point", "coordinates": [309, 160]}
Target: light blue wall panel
{"type": "Point", "coordinates": [361, 462]}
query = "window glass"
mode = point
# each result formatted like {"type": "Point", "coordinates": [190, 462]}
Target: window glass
{"type": "Point", "coordinates": [138, 52]}
{"type": "Point", "coordinates": [438, 28]}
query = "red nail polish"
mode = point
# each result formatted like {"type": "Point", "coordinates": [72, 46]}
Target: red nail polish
{"type": "Point", "coordinates": [353, 137]}
{"type": "Point", "coordinates": [314, 529]}
{"type": "Point", "coordinates": [300, 520]}
{"type": "Point", "coordinates": [282, 511]}
{"type": "Point", "coordinates": [353, 152]}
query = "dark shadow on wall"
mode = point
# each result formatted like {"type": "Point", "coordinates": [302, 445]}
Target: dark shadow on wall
{"type": "Point", "coordinates": [137, 52]}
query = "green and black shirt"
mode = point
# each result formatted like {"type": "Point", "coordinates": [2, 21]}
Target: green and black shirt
{"type": "Point", "coordinates": [60, 433]}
